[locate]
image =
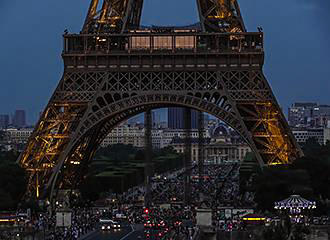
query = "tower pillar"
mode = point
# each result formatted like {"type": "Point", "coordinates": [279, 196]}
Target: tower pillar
{"type": "Point", "coordinates": [187, 156]}
{"type": "Point", "coordinates": [200, 148]}
{"type": "Point", "coordinates": [148, 157]}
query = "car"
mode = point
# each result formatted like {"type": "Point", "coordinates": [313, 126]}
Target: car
{"type": "Point", "coordinates": [154, 234]}
{"type": "Point", "coordinates": [149, 224]}
{"type": "Point", "coordinates": [108, 224]}
{"type": "Point", "coordinates": [324, 220]}
{"type": "Point", "coordinates": [316, 220]}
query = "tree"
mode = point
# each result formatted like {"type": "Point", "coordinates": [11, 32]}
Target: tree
{"type": "Point", "coordinates": [6, 201]}
{"type": "Point", "coordinates": [164, 151]}
{"type": "Point", "coordinates": [13, 184]}
{"type": "Point", "coordinates": [117, 152]}
{"type": "Point", "coordinates": [139, 155]}
{"type": "Point", "coordinates": [311, 147]}
{"type": "Point", "coordinates": [8, 156]}
{"type": "Point", "coordinates": [91, 189]}
{"type": "Point", "coordinates": [277, 183]}
{"type": "Point", "coordinates": [119, 167]}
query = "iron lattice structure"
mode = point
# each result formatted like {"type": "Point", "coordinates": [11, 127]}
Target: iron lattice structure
{"type": "Point", "coordinates": [114, 70]}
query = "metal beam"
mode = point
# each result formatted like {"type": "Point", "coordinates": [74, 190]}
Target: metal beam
{"type": "Point", "coordinates": [148, 157]}
{"type": "Point", "coordinates": [91, 13]}
{"type": "Point", "coordinates": [220, 16]}
{"type": "Point", "coordinates": [115, 16]}
{"type": "Point", "coordinates": [187, 159]}
{"type": "Point", "coordinates": [200, 148]}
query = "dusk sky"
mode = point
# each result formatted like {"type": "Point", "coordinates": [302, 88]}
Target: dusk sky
{"type": "Point", "coordinates": [296, 33]}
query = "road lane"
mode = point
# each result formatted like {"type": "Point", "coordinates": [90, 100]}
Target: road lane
{"type": "Point", "coordinates": [110, 235]}
{"type": "Point", "coordinates": [124, 234]}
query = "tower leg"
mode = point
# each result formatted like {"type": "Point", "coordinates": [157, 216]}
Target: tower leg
{"type": "Point", "coordinates": [200, 148]}
{"type": "Point", "coordinates": [187, 160]}
{"type": "Point", "coordinates": [148, 157]}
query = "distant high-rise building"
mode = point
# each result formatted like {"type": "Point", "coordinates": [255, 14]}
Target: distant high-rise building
{"type": "Point", "coordinates": [308, 114]}
{"type": "Point", "coordinates": [300, 113]}
{"type": "Point", "coordinates": [303, 134]}
{"type": "Point", "coordinates": [4, 120]}
{"type": "Point", "coordinates": [162, 114]}
{"type": "Point", "coordinates": [321, 116]}
{"type": "Point", "coordinates": [19, 118]}
{"type": "Point", "coordinates": [176, 118]}
{"type": "Point", "coordinates": [158, 118]}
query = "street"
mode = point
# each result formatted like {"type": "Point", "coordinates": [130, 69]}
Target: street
{"type": "Point", "coordinates": [126, 233]}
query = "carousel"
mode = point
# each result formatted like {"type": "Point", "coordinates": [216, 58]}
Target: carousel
{"type": "Point", "coordinates": [297, 207]}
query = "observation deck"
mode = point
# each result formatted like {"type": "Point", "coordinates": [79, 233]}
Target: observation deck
{"type": "Point", "coordinates": [175, 48]}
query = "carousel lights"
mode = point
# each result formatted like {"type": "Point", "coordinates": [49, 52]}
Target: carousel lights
{"type": "Point", "coordinates": [295, 204]}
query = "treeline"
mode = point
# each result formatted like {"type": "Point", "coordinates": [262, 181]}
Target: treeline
{"type": "Point", "coordinates": [119, 167]}
{"type": "Point", "coordinates": [308, 176]}
{"type": "Point", "coordinates": [113, 169]}
{"type": "Point", "coordinates": [13, 181]}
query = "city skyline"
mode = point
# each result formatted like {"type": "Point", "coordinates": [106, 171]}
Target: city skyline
{"type": "Point", "coordinates": [160, 113]}
{"type": "Point", "coordinates": [17, 119]}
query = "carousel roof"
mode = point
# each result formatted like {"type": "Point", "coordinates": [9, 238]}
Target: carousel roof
{"type": "Point", "coordinates": [295, 201]}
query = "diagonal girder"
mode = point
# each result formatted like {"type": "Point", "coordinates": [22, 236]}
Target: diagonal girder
{"type": "Point", "coordinates": [115, 16]}
{"type": "Point", "coordinates": [220, 16]}
{"type": "Point", "coordinates": [118, 16]}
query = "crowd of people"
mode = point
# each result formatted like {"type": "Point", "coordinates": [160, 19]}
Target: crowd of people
{"type": "Point", "coordinates": [83, 221]}
{"type": "Point", "coordinates": [8, 235]}
{"type": "Point", "coordinates": [56, 226]}
{"type": "Point", "coordinates": [217, 187]}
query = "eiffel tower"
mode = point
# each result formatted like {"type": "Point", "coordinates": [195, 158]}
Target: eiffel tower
{"type": "Point", "coordinates": [115, 69]}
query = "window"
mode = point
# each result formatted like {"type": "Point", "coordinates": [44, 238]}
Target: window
{"type": "Point", "coordinates": [163, 42]}
{"type": "Point", "coordinates": [185, 42]}
{"type": "Point", "coordinates": [140, 42]}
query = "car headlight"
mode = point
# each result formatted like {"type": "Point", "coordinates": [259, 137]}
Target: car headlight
{"type": "Point", "coordinates": [118, 226]}
{"type": "Point", "coordinates": [103, 227]}
{"type": "Point", "coordinates": [108, 227]}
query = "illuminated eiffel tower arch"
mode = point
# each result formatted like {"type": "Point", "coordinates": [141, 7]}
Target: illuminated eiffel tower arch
{"type": "Point", "coordinates": [114, 70]}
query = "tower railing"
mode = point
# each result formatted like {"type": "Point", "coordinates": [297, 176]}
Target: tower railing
{"type": "Point", "coordinates": [151, 42]}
